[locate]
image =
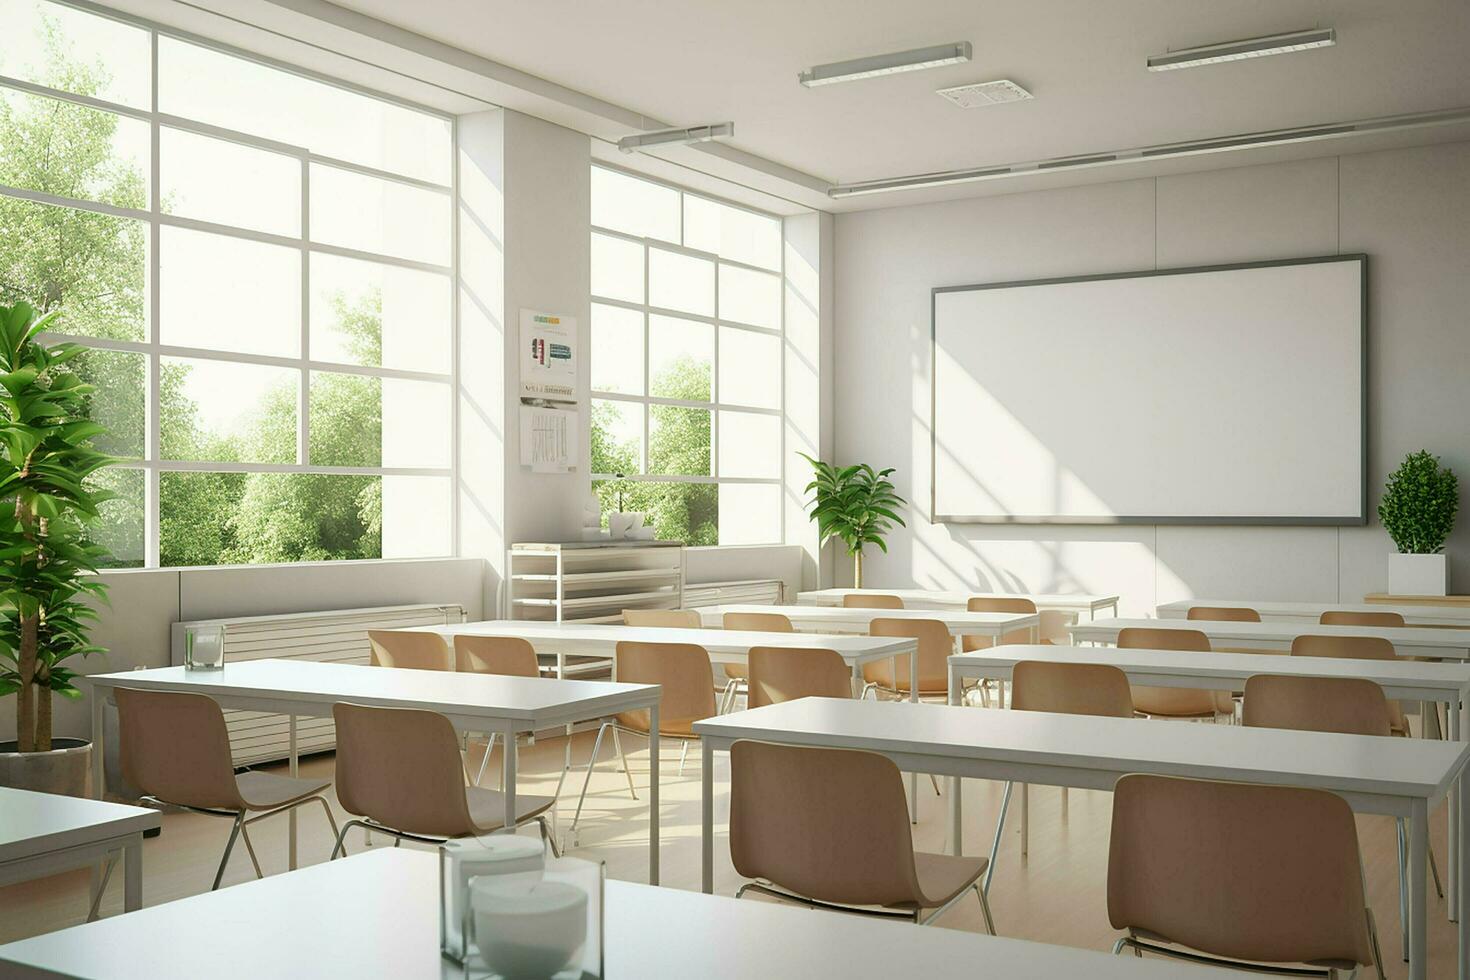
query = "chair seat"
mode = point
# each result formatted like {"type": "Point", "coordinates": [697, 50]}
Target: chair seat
{"type": "Point", "coordinates": [487, 807]}
{"type": "Point", "coordinates": [637, 721]}
{"type": "Point", "coordinates": [943, 876]}
{"type": "Point", "coordinates": [267, 790]}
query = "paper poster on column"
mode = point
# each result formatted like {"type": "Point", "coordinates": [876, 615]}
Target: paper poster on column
{"type": "Point", "coordinates": [548, 438]}
{"type": "Point", "coordinates": [548, 356]}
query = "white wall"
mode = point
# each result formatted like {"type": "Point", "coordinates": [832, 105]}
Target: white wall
{"type": "Point", "coordinates": [1408, 209]}
{"type": "Point", "coordinates": [525, 209]}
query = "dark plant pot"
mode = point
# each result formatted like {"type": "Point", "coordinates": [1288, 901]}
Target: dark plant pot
{"type": "Point", "coordinates": [65, 770]}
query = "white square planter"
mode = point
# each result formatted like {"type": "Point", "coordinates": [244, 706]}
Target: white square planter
{"type": "Point", "coordinates": [1418, 575]}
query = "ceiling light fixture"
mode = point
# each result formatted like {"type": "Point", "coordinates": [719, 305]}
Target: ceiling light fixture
{"type": "Point", "coordinates": [886, 64]}
{"type": "Point", "coordinates": [666, 137]}
{"type": "Point", "coordinates": [1254, 47]}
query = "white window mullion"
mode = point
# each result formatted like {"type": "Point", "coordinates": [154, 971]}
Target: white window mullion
{"type": "Point", "coordinates": [152, 450]}
{"type": "Point", "coordinates": [303, 399]}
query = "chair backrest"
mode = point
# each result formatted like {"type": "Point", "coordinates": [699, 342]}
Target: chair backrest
{"type": "Point", "coordinates": [787, 673]}
{"type": "Point", "coordinates": [1347, 705]}
{"type": "Point", "coordinates": [1342, 617]}
{"type": "Point", "coordinates": [1173, 701]}
{"type": "Point", "coordinates": [827, 824]}
{"type": "Point", "coordinates": [1001, 604]}
{"type": "Point", "coordinates": [760, 622]}
{"type": "Point", "coordinates": [1162, 638]}
{"type": "Point", "coordinates": [935, 646]}
{"type": "Point", "coordinates": [1344, 647]}
{"type": "Point", "coordinates": [509, 655]}
{"type": "Point", "coordinates": [1071, 689]}
{"type": "Point", "coordinates": [684, 672]}
{"type": "Point", "coordinates": [1267, 873]}
{"type": "Point", "coordinates": [871, 600]}
{"type": "Point", "coordinates": [174, 746]}
{"type": "Point", "coordinates": [401, 768]}
{"type": "Point", "coordinates": [1224, 614]}
{"type": "Point", "coordinates": [410, 649]}
{"type": "Point", "coordinates": [663, 618]}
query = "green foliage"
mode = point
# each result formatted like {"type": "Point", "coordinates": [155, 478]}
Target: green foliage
{"type": "Point", "coordinates": [1419, 504]}
{"type": "Point", "coordinates": [855, 504]}
{"type": "Point", "coordinates": [679, 444]}
{"type": "Point", "coordinates": [46, 561]}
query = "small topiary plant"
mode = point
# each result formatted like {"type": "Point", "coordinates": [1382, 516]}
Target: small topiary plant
{"type": "Point", "coordinates": [1419, 504]}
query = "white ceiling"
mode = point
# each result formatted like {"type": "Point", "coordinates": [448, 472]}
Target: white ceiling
{"type": "Point", "coordinates": [710, 60]}
{"type": "Point", "coordinates": [600, 66]}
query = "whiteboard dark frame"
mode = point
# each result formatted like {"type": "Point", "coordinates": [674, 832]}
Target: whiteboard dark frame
{"type": "Point", "coordinates": [1361, 518]}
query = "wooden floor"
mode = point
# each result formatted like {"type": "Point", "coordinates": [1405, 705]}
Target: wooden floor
{"type": "Point", "coordinates": [1057, 895]}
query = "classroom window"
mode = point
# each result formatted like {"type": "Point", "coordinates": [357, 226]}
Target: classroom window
{"type": "Point", "coordinates": [268, 291]}
{"type": "Point", "coordinates": [687, 332]}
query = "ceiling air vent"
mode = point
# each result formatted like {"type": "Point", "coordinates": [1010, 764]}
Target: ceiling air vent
{"type": "Point", "coordinates": [984, 93]}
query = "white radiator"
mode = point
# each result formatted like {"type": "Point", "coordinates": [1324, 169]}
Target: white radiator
{"type": "Point", "coordinates": [336, 636]}
{"type": "Point", "coordinates": [763, 591]}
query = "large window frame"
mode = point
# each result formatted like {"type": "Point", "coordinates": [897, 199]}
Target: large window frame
{"type": "Point", "coordinates": [716, 406]}
{"type": "Point", "coordinates": [156, 219]}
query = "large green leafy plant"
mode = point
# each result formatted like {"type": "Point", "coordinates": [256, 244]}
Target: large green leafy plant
{"type": "Point", "coordinates": [47, 563]}
{"type": "Point", "coordinates": [1419, 504]}
{"type": "Point", "coordinates": [855, 504]}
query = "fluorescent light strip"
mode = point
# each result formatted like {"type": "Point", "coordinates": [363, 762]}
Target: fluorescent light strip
{"type": "Point", "coordinates": [1256, 47]}
{"type": "Point", "coordinates": [667, 137]}
{"type": "Point", "coordinates": [1222, 144]}
{"type": "Point", "coordinates": [886, 64]}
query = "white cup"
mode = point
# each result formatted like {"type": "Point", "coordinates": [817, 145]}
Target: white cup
{"type": "Point", "coordinates": [528, 930]}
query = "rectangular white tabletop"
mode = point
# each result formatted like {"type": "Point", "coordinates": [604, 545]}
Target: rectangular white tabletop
{"type": "Point", "coordinates": [305, 687]}
{"type": "Point", "coordinates": [384, 922]}
{"type": "Point", "coordinates": [1311, 612]}
{"type": "Point", "coordinates": [1408, 641]}
{"type": "Point", "coordinates": [1411, 680]}
{"type": "Point", "coordinates": [1396, 776]}
{"type": "Point", "coordinates": [943, 599]}
{"type": "Point", "coordinates": [817, 618]}
{"type": "Point", "coordinates": [32, 823]}
{"type": "Point", "coordinates": [724, 646]}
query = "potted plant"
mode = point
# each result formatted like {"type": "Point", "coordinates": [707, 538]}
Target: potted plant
{"type": "Point", "coordinates": [47, 565]}
{"type": "Point", "coordinates": [1418, 511]}
{"type": "Point", "coordinates": [856, 504]}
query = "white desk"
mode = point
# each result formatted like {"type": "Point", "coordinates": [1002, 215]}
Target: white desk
{"type": "Point", "coordinates": [723, 646]}
{"type": "Point", "coordinates": [384, 922]}
{"type": "Point", "coordinates": [472, 703]}
{"type": "Point", "coordinates": [1311, 612]}
{"type": "Point", "coordinates": [1408, 641]}
{"type": "Point", "coordinates": [43, 834]}
{"type": "Point", "coordinates": [1395, 776]}
{"type": "Point", "coordinates": [939, 599]}
{"type": "Point", "coordinates": [820, 619]}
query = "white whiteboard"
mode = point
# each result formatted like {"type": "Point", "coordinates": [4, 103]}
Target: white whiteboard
{"type": "Point", "coordinates": [1233, 394]}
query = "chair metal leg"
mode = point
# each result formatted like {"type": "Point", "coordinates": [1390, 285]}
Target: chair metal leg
{"type": "Point", "coordinates": [683, 754]}
{"type": "Point", "coordinates": [229, 846]}
{"type": "Point", "coordinates": [1373, 944]}
{"type": "Point", "coordinates": [587, 781]}
{"type": "Point", "coordinates": [985, 908]}
{"type": "Point", "coordinates": [547, 838]}
{"type": "Point", "coordinates": [342, 836]}
{"type": "Point", "coordinates": [627, 770]}
{"type": "Point", "coordinates": [485, 759]}
{"type": "Point", "coordinates": [331, 820]}
{"type": "Point", "coordinates": [935, 781]}
{"type": "Point", "coordinates": [1434, 871]}
{"type": "Point", "coordinates": [250, 848]}
{"type": "Point", "coordinates": [92, 912]}
{"type": "Point", "coordinates": [1000, 824]}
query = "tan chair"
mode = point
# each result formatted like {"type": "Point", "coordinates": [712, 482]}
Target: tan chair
{"type": "Point", "coordinates": [1347, 705]}
{"type": "Point", "coordinates": [871, 600]}
{"type": "Point", "coordinates": [1242, 874]}
{"type": "Point", "coordinates": [1341, 617]}
{"type": "Point", "coordinates": [688, 619]}
{"type": "Point", "coordinates": [410, 650]}
{"type": "Point", "coordinates": [737, 676]}
{"type": "Point", "coordinates": [175, 748]}
{"type": "Point", "coordinates": [1174, 702]}
{"type": "Point", "coordinates": [786, 673]}
{"type": "Point", "coordinates": [1003, 604]}
{"type": "Point", "coordinates": [1354, 648]}
{"type": "Point", "coordinates": [507, 656]}
{"type": "Point", "coordinates": [398, 772]}
{"type": "Point", "coordinates": [1224, 614]}
{"type": "Point", "coordinates": [829, 828]}
{"type": "Point", "coordinates": [1066, 689]}
{"type": "Point", "coordinates": [683, 671]}
{"type": "Point", "coordinates": [935, 646]}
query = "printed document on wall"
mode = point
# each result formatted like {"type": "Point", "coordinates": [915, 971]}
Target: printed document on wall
{"type": "Point", "coordinates": [548, 356]}
{"type": "Point", "coordinates": [548, 439]}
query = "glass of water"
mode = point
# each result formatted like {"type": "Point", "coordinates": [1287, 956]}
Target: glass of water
{"type": "Point", "coordinates": [204, 648]}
